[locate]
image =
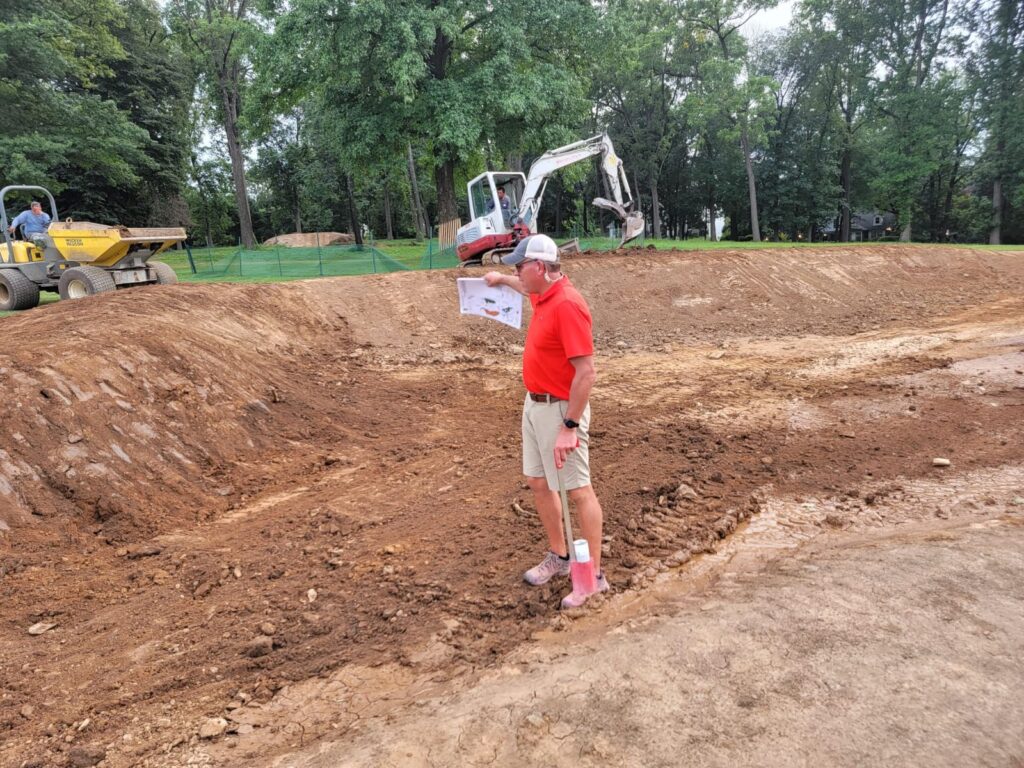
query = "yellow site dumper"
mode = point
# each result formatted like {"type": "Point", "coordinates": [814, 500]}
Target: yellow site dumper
{"type": "Point", "coordinates": [78, 258]}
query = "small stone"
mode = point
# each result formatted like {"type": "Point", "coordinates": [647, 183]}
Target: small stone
{"type": "Point", "coordinates": [681, 557]}
{"type": "Point", "coordinates": [40, 628]}
{"type": "Point", "coordinates": [1018, 501]}
{"type": "Point", "coordinates": [244, 729]}
{"type": "Point", "coordinates": [847, 434]}
{"type": "Point", "coordinates": [940, 462]}
{"type": "Point", "coordinates": [135, 551]}
{"type": "Point", "coordinates": [204, 589]}
{"type": "Point", "coordinates": [261, 646]}
{"type": "Point", "coordinates": [86, 756]}
{"type": "Point", "coordinates": [767, 460]}
{"type": "Point", "coordinates": [942, 514]}
{"type": "Point", "coordinates": [311, 595]}
{"type": "Point", "coordinates": [212, 728]}
{"type": "Point", "coordinates": [684, 491]}
{"type": "Point", "coordinates": [834, 520]}
{"type": "Point", "coordinates": [27, 711]}
{"type": "Point", "coordinates": [716, 355]}
{"type": "Point", "coordinates": [268, 628]}
{"type": "Point", "coordinates": [74, 437]}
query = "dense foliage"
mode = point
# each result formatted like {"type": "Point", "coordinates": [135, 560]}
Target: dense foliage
{"type": "Point", "coordinates": [244, 120]}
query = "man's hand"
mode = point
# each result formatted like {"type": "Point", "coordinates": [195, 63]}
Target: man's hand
{"type": "Point", "coordinates": [494, 278]}
{"type": "Point", "coordinates": [566, 442]}
{"type": "Point", "coordinates": [11, 229]}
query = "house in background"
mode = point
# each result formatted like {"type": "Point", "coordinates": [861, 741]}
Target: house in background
{"type": "Point", "coordinates": [865, 226]}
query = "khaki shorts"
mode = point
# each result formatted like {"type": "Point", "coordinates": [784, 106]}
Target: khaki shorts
{"type": "Point", "coordinates": [541, 422]}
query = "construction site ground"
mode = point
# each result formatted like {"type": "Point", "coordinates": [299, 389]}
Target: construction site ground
{"type": "Point", "coordinates": [284, 525]}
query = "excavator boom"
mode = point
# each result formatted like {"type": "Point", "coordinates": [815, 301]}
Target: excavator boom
{"type": "Point", "coordinates": [614, 176]}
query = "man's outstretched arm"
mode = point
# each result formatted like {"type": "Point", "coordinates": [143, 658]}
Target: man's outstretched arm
{"type": "Point", "coordinates": [496, 278]}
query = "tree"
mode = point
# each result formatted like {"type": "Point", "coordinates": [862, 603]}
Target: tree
{"type": "Point", "coordinates": [218, 35]}
{"type": "Point", "coordinates": [153, 87]}
{"type": "Point", "coordinates": [796, 177]}
{"type": "Point", "coordinates": [63, 126]}
{"type": "Point", "coordinates": [445, 76]}
{"type": "Point", "coordinates": [637, 88]}
{"type": "Point", "coordinates": [729, 88]}
{"type": "Point", "coordinates": [913, 40]}
{"type": "Point", "coordinates": [1001, 81]}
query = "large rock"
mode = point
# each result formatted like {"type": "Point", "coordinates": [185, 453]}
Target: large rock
{"type": "Point", "coordinates": [86, 756]}
{"type": "Point", "coordinates": [311, 239]}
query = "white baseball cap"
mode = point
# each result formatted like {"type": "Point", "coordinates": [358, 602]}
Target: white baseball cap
{"type": "Point", "coordinates": [533, 248]}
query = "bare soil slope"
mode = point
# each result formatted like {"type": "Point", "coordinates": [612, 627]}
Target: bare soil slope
{"type": "Point", "coordinates": [216, 492]}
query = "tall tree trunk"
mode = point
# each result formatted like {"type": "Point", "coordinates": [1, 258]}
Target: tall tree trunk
{"type": "Point", "coordinates": [995, 235]}
{"type": "Point", "coordinates": [387, 213]}
{"type": "Point", "coordinates": [906, 233]}
{"type": "Point", "coordinates": [586, 209]}
{"type": "Point", "coordinates": [846, 181]}
{"type": "Point", "coordinates": [947, 205]}
{"type": "Point", "coordinates": [444, 181]}
{"type": "Point", "coordinates": [655, 211]}
{"type": "Point", "coordinates": [751, 185]}
{"type": "Point", "coordinates": [298, 215]}
{"type": "Point", "coordinates": [558, 207]}
{"type": "Point", "coordinates": [419, 216]}
{"type": "Point", "coordinates": [353, 215]}
{"type": "Point", "coordinates": [712, 234]}
{"type": "Point", "coordinates": [230, 103]}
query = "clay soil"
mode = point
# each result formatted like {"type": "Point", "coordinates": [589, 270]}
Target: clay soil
{"type": "Point", "coordinates": [263, 503]}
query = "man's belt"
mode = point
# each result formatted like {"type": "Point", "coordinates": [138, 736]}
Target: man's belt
{"type": "Point", "coordinates": [544, 398]}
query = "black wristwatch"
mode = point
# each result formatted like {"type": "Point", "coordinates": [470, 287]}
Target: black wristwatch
{"type": "Point", "coordinates": [570, 424]}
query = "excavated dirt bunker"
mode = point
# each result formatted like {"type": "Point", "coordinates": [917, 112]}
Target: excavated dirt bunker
{"type": "Point", "coordinates": [216, 494]}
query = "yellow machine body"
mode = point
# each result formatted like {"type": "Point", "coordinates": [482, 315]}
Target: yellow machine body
{"type": "Point", "coordinates": [24, 253]}
{"type": "Point", "coordinates": [101, 245]}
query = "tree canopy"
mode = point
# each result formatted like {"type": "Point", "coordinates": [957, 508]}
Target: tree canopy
{"type": "Point", "coordinates": [245, 120]}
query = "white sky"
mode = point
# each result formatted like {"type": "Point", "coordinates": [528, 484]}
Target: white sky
{"type": "Point", "coordinates": [770, 20]}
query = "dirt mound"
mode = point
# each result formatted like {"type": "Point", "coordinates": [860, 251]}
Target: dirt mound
{"type": "Point", "coordinates": [311, 239]}
{"type": "Point", "coordinates": [213, 491]}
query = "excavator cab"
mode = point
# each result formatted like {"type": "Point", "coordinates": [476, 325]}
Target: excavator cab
{"type": "Point", "coordinates": [483, 198]}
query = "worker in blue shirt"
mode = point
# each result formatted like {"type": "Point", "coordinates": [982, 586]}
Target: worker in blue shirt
{"type": "Point", "coordinates": [503, 202]}
{"type": "Point", "coordinates": [36, 222]}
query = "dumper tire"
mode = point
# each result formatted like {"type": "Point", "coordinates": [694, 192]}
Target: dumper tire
{"type": "Point", "coordinates": [79, 282]}
{"type": "Point", "coordinates": [17, 291]}
{"type": "Point", "coordinates": [165, 274]}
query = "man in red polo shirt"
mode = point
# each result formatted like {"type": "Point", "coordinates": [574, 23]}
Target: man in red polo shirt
{"type": "Point", "coordinates": [558, 371]}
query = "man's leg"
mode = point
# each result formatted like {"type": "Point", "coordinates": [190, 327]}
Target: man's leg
{"type": "Point", "coordinates": [591, 519]}
{"type": "Point", "coordinates": [549, 508]}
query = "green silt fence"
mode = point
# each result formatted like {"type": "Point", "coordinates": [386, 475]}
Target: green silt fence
{"type": "Point", "coordinates": [294, 263]}
{"type": "Point", "coordinates": [285, 263]}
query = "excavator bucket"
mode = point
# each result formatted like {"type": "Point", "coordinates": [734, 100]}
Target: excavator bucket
{"type": "Point", "coordinates": [632, 227]}
{"type": "Point", "coordinates": [632, 223]}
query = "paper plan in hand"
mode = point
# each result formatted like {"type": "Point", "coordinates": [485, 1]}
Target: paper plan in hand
{"type": "Point", "coordinates": [499, 302]}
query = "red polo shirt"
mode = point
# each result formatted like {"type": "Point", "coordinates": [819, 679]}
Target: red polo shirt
{"type": "Point", "coordinates": [560, 330]}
